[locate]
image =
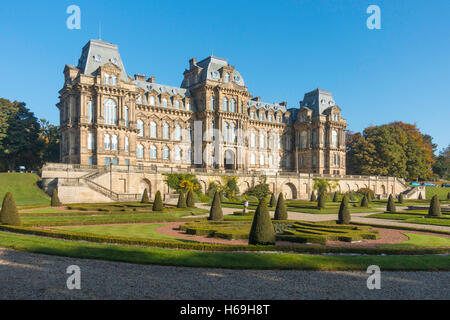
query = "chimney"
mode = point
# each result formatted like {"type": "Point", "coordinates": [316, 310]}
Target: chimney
{"type": "Point", "coordinates": [283, 103]}
{"type": "Point", "coordinates": [139, 77]}
{"type": "Point", "coordinates": [192, 63]}
{"type": "Point", "coordinates": [151, 79]}
{"type": "Point", "coordinates": [258, 99]}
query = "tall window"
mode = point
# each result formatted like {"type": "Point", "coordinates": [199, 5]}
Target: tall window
{"type": "Point", "coordinates": [140, 151]}
{"type": "Point", "coordinates": [189, 155]}
{"type": "Point", "coordinates": [262, 141]}
{"type": "Point", "coordinates": [188, 106]}
{"type": "Point", "coordinates": [164, 102]}
{"type": "Point", "coordinates": [227, 77]}
{"type": "Point", "coordinates": [152, 100]}
{"type": "Point", "coordinates": [165, 131]}
{"type": "Point", "coordinates": [261, 116]}
{"type": "Point", "coordinates": [153, 130]}
{"type": "Point", "coordinates": [225, 131]}
{"type": "Point", "coordinates": [110, 111]}
{"type": "Point", "coordinates": [211, 103]}
{"type": "Point", "coordinates": [114, 142]}
{"type": "Point", "coordinates": [177, 154]}
{"type": "Point", "coordinates": [177, 133]}
{"type": "Point", "coordinates": [232, 133]}
{"type": "Point", "coordinates": [303, 137]}
{"type": "Point", "coordinates": [177, 104]}
{"type": "Point", "coordinates": [113, 80]}
{"type": "Point", "coordinates": [140, 126]}
{"type": "Point", "coordinates": [252, 140]}
{"type": "Point", "coordinates": [106, 78]}
{"type": "Point", "coordinates": [107, 142]}
{"type": "Point", "coordinates": [127, 145]}
{"type": "Point", "coordinates": [126, 115]}
{"type": "Point", "coordinates": [90, 112]}
{"type": "Point", "coordinates": [252, 159]}
{"type": "Point", "coordinates": [232, 105]}
{"type": "Point", "coordinates": [334, 139]}
{"type": "Point", "coordinates": [261, 159]}
{"type": "Point", "coordinates": [270, 117]}
{"type": "Point", "coordinates": [152, 152]}
{"type": "Point", "coordinates": [188, 134]}
{"type": "Point", "coordinates": [271, 160]}
{"type": "Point", "coordinates": [225, 104]}
{"type": "Point", "coordinates": [252, 115]}
{"type": "Point", "coordinates": [90, 141]}
{"type": "Point", "coordinates": [165, 153]}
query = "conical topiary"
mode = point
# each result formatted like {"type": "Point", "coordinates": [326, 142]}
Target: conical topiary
{"type": "Point", "coordinates": [181, 200]}
{"type": "Point", "coordinates": [158, 204]}
{"type": "Point", "coordinates": [435, 207]}
{"type": "Point", "coordinates": [448, 196]}
{"type": "Point", "coordinates": [280, 211]}
{"type": "Point", "coordinates": [369, 197]}
{"type": "Point", "coordinates": [54, 202]}
{"type": "Point", "coordinates": [335, 197]}
{"type": "Point", "coordinates": [262, 231]}
{"type": "Point", "coordinates": [145, 198]}
{"type": "Point", "coordinates": [401, 198]}
{"type": "Point", "coordinates": [313, 197]}
{"type": "Point", "coordinates": [190, 199]}
{"type": "Point", "coordinates": [344, 213]}
{"type": "Point", "coordinates": [273, 201]}
{"type": "Point", "coordinates": [321, 201]}
{"type": "Point", "coordinates": [391, 204]}
{"type": "Point", "coordinates": [420, 196]}
{"type": "Point", "coordinates": [215, 213]}
{"type": "Point", "coordinates": [9, 214]}
{"type": "Point", "coordinates": [365, 202]}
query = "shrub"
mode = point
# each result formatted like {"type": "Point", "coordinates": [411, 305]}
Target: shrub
{"type": "Point", "coordinates": [448, 196]}
{"type": "Point", "coordinates": [368, 192]}
{"type": "Point", "coordinates": [313, 197]}
{"type": "Point", "coordinates": [9, 214]}
{"type": "Point", "coordinates": [273, 201]}
{"type": "Point", "coordinates": [190, 200]}
{"type": "Point", "coordinates": [335, 197]}
{"type": "Point", "coordinates": [54, 202]}
{"type": "Point", "coordinates": [344, 213]}
{"type": "Point", "coordinates": [145, 198]}
{"type": "Point", "coordinates": [262, 231]}
{"type": "Point", "coordinates": [181, 200]}
{"type": "Point", "coordinates": [391, 204]}
{"type": "Point", "coordinates": [420, 196]}
{"type": "Point", "coordinates": [215, 212]}
{"type": "Point", "coordinates": [365, 202]}
{"type": "Point", "coordinates": [321, 201]}
{"type": "Point", "coordinates": [280, 211]}
{"type": "Point", "coordinates": [435, 207]}
{"type": "Point", "coordinates": [158, 204]}
{"type": "Point", "coordinates": [401, 198]}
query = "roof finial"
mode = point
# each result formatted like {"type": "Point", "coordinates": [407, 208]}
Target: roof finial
{"type": "Point", "coordinates": [100, 30]}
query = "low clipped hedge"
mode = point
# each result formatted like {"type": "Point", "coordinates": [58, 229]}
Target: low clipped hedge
{"type": "Point", "coordinates": [219, 247]}
{"type": "Point", "coordinates": [241, 213]}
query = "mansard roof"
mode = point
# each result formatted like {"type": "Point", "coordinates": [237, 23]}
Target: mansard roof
{"type": "Point", "coordinates": [161, 88]}
{"type": "Point", "coordinates": [267, 106]}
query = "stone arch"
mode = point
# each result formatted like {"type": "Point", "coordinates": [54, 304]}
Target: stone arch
{"type": "Point", "coordinates": [383, 189]}
{"type": "Point", "coordinates": [203, 186]}
{"type": "Point", "coordinates": [348, 188]}
{"type": "Point", "coordinates": [244, 186]}
{"type": "Point", "coordinates": [289, 190]}
{"type": "Point", "coordinates": [145, 184]}
{"type": "Point", "coordinates": [229, 159]}
{"type": "Point", "coordinates": [356, 187]}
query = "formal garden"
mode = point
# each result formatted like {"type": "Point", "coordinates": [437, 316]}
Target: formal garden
{"type": "Point", "coordinates": [216, 229]}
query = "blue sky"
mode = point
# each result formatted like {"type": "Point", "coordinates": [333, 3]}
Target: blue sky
{"type": "Point", "coordinates": [282, 49]}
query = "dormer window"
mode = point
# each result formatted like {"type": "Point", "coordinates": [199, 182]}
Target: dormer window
{"type": "Point", "coordinates": [113, 80]}
{"type": "Point", "coordinates": [227, 77]}
{"type": "Point", "coordinates": [188, 106]}
{"type": "Point", "coordinates": [252, 115]}
{"type": "Point", "coordinates": [152, 100]}
{"type": "Point", "coordinates": [261, 116]}
{"type": "Point", "coordinates": [177, 104]}
{"type": "Point", "coordinates": [106, 78]}
{"type": "Point", "coordinates": [164, 102]}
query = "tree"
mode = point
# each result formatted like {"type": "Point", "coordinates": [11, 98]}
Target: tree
{"type": "Point", "coordinates": [321, 201]}
{"type": "Point", "coordinates": [145, 198]}
{"type": "Point", "coordinates": [441, 166]}
{"type": "Point", "coordinates": [313, 197]}
{"type": "Point", "coordinates": [230, 186]}
{"type": "Point", "coordinates": [435, 207]}
{"type": "Point", "coordinates": [262, 231]}
{"type": "Point", "coordinates": [281, 211]}
{"type": "Point", "coordinates": [182, 181]}
{"type": "Point", "coordinates": [54, 202]}
{"type": "Point", "coordinates": [158, 204]}
{"type": "Point", "coordinates": [322, 185]}
{"type": "Point", "coordinates": [365, 202]}
{"type": "Point", "coordinates": [335, 197]}
{"type": "Point", "coordinates": [215, 213]}
{"type": "Point", "coordinates": [50, 139]}
{"type": "Point", "coordinates": [344, 212]}
{"type": "Point", "coordinates": [273, 200]}
{"type": "Point", "coordinates": [260, 191]}
{"type": "Point", "coordinates": [181, 200]}
{"type": "Point", "coordinates": [9, 214]}
{"type": "Point", "coordinates": [401, 198]}
{"type": "Point", "coordinates": [190, 199]}
{"type": "Point", "coordinates": [391, 204]}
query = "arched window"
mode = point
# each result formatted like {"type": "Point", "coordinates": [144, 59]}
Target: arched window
{"type": "Point", "coordinates": [140, 151]}
{"type": "Point", "coordinates": [165, 153]}
{"type": "Point", "coordinates": [232, 105]}
{"type": "Point", "coordinates": [152, 152]}
{"type": "Point", "coordinates": [152, 100]}
{"type": "Point", "coordinates": [334, 139]}
{"type": "Point", "coordinates": [110, 111]}
{"type": "Point", "coordinates": [127, 146]}
{"type": "Point", "coordinates": [107, 142]}
{"type": "Point", "coordinates": [164, 102]}
{"type": "Point", "coordinates": [177, 133]}
{"type": "Point", "coordinates": [140, 126]}
{"type": "Point", "coordinates": [252, 159]}
{"type": "Point", "coordinates": [177, 154]}
{"type": "Point", "coordinates": [225, 131]}
{"type": "Point", "coordinates": [90, 111]}
{"type": "Point", "coordinates": [227, 77]}
{"type": "Point", "coordinates": [165, 131]}
{"type": "Point", "coordinates": [225, 104]}
{"type": "Point", "coordinates": [252, 140]}
{"type": "Point", "coordinates": [114, 142]}
{"type": "Point", "coordinates": [261, 116]}
{"type": "Point", "coordinates": [153, 130]}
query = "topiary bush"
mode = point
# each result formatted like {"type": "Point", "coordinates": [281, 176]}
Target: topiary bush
{"type": "Point", "coordinates": [190, 199]}
{"type": "Point", "coordinates": [313, 197]}
{"type": "Point", "coordinates": [54, 202]}
{"type": "Point", "coordinates": [391, 204]}
{"type": "Point", "coordinates": [9, 214]}
{"type": "Point", "coordinates": [335, 197]}
{"type": "Point", "coordinates": [145, 198]}
{"type": "Point", "coordinates": [365, 202]}
{"type": "Point", "coordinates": [420, 196]}
{"type": "Point", "coordinates": [273, 201]}
{"type": "Point", "coordinates": [344, 213]}
{"type": "Point", "coordinates": [321, 201]}
{"type": "Point", "coordinates": [262, 231]}
{"type": "Point", "coordinates": [401, 199]}
{"type": "Point", "coordinates": [448, 196]}
{"type": "Point", "coordinates": [435, 207]}
{"type": "Point", "coordinates": [181, 200]}
{"type": "Point", "coordinates": [280, 211]}
{"type": "Point", "coordinates": [158, 204]}
{"type": "Point", "coordinates": [215, 213]}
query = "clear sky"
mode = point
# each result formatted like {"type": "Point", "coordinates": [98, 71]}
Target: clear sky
{"type": "Point", "coordinates": [282, 49]}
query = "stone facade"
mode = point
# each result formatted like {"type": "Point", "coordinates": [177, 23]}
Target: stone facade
{"type": "Point", "coordinates": [211, 121]}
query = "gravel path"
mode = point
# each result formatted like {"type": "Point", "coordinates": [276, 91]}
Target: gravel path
{"type": "Point", "coordinates": [35, 276]}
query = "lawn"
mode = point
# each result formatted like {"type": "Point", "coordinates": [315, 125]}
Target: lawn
{"type": "Point", "coordinates": [23, 188]}
{"type": "Point", "coordinates": [413, 217]}
{"type": "Point", "coordinates": [439, 191]}
{"type": "Point", "coordinates": [420, 240]}
{"type": "Point", "coordinates": [190, 258]}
